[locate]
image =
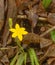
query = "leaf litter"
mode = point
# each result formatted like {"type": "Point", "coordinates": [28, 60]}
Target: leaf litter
{"type": "Point", "coordinates": [38, 21]}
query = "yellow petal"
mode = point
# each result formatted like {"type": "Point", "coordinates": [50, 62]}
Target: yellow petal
{"type": "Point", "coordinates": [14, 35]}
{"type": "Point", "coordinates": [20, 37]}
{"type": "Point", "coordinates": [17, 26]}
{"type": "Point", "coordinates": [25, 32]}
{"type": "Point", "coordinates": [12, 30]}
{"type": "Point", "coordinates": [22, 28]}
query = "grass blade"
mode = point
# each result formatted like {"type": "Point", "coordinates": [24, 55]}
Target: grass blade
{"type": "Point", "coordinates": [25, 58]}
{"type": "Point", "coordinates": [46, 3]}
{"type": "Point", "coordinates": [31, 57]}
{"type": "Point", "coordinates": [20, 59]}
{"type": "Point", "coordinates": [14, 59]}
{"type": "Point", "coordinates": [34, 56]}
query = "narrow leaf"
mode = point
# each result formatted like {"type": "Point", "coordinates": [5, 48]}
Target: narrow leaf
{"type": "Point", "coordinates": [53, 35]}
{"type": "Point", "coordinates": [14, 59]}
{"type": "Point", "coordinates": [31, 57]}
{"type": "Point", "coordinates": [20, 60]}
{"type": "Point", "coordinates": [46, 3]}
{"type": "Point", "coordinates": [34, 56]}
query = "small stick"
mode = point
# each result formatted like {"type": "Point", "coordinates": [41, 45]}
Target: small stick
{"type": "Point", "coordinates": [5, 48]}
{"type": "Point", "coordinates": [47, 31]}
{"type": "Point", "coordinates": [22, 16]}
{"type": "Point", "coordinates": [42, 18]}
{"type": "Point", "coordinates": [25, 17]}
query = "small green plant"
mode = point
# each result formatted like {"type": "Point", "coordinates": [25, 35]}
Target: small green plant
{"type": "Point", "coordinates": [46, 3]}
{"type": "Point", "coordinates": [21, 56]}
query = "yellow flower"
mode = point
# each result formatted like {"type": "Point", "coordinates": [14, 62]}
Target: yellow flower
{"type": "Point", "coordinates": [18, 32]}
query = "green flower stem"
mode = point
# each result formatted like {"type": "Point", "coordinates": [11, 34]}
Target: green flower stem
{"type": "Point", "coordinates": [19, 44]}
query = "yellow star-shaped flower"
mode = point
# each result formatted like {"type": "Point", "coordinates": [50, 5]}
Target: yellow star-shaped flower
{"type": "Point", "coordinates": [18, 32]}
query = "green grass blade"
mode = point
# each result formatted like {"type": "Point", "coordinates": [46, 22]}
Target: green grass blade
{"type": "Point", "coordinates": [25, 58]}
{"type": "Point", "coordinates": [53, 35]}
{"type": "Point", "coordinates": [14, 59]}
{"type": "Point", "coordinates": [46, 3]}
{"type": "Point", "coordinates": [31, 57]}
{"type": "Point", "coordinates": [20, 59]}
{"type": "Point", "coordinates": [34, 56]}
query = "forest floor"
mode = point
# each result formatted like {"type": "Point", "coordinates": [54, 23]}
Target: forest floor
{"type": "Point", "coordinates": [38, 18]}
